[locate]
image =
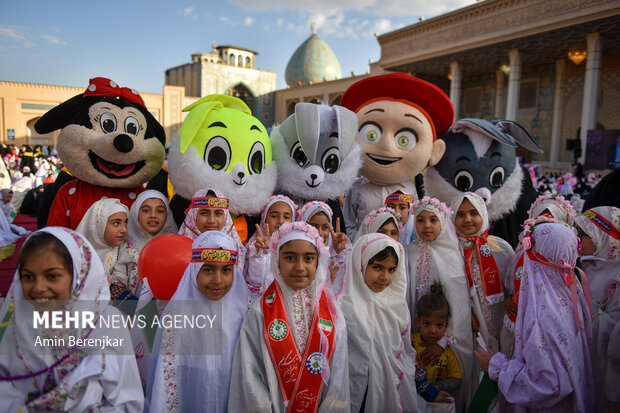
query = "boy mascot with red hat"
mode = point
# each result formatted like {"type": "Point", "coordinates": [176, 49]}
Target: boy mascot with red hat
{"type": "Point", "coordinates": [400, 118]}
{"type": "Point", "coordinates": [109, 141]}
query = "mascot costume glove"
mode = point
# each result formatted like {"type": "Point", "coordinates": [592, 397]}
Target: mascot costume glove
{"type": "Point", "coordinates": [399, 118]}
{"type": "Point", "coordinates": [481, 158]}
{"type": "Point", "coordinates": [109, 141]}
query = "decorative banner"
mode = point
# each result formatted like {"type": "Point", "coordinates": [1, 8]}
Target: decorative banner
{"type": "Point", "coordinates": [603, 224]}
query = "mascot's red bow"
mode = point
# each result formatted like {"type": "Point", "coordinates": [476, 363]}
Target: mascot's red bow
{"type": "Point", "coordinates": [101, 86]}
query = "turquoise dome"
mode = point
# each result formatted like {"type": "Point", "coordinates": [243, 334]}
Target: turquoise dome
{"type": "Point", "coordinates": [313, 62]}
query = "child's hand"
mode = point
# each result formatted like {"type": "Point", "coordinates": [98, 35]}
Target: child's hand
{"type": "Point", "coordinates": [333, 270]}
{"type": "Point", "coordinates": [484, 357]}
{"type": "Point", "coordinates": [443, 397]}
{"type": "Point", "coordinates": [262, 240]}
{"type": "Point", "coordinates": [430, 356]}
{"type": "Point", "coordinates": [475, 324]}
{"type": "Point", "coordinates": [510, 308]}
{"type": "Point", "coordinates": [339, 239]}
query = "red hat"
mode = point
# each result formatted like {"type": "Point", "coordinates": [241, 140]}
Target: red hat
{"type": "Point", "coordinates": [402, 87]}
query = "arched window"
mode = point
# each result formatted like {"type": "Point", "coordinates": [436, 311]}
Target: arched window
{"type": "Point", "coordinates": [240, 60]}
{"type": "Point", "coordinates": [290, 108]}
{"type": "Point", "coordinates": [242, 92]}
{"type": "Point", "coordinates": [232, 59]}
{"type": "Point", "coordinates": [247, 62]}
{"type": "Point", "coordinates": [35, 138]}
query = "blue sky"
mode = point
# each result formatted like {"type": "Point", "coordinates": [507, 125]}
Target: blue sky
{"type": "Point", "coordinates": [134, 41]}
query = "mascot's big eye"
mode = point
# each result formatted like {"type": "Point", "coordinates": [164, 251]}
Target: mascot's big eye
{"type": "Point", "coordinates": [108, 122]}
{"type": "Point", "coordinates": [217, 153]}
{"type": "Point", "coordinates": [406, 139]}
{"type": "Point", "coordinates": [370, 132]}
{"type": "Point", "coordinates": [299, 155]}
{"type": "Point", "coordinates": [256, 160]}
{"type": "Point", "coordinates": [132, 125]}
{"type": "Point", "coordinates": [463, 180]}
{"type": "Point", "coordinates": [330, 160]}
{"type": "Point", "coordinates": [496, 179]}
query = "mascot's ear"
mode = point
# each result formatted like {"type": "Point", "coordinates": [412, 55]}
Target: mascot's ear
{"type": "Point", "coordinates": [519, 134]}
{"type": "Point", "coordinates": [288, 131]}
{"type": "Point", "coordinates": [59, 116]}
{"type": "Point", "coordinates": [307, 121]}
{"type": "Point", "coordinates": [439, 148]}
{"type": "Point", "coordinates": [198, 113]}
{"type": "Point", "coordinates": [347, 129]}
{"type": "Point", "coordinates": [481, 127]}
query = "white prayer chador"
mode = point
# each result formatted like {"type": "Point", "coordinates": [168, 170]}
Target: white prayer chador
{"type": "Point", "coordinates": [185, 374]}
{"type": "Point", "coordinates": [603, 271]}
{"type": "Point", "coordinates": [376, 219]}
{"type": "Point", "coordinates": [7, 236]}
{"type": "Point", "coordinates": [560, 208]}
{"type": "Point", "coordinates": [364, 196]}
{"type": "Point", "coordinates": [257, 270]}
{"type": "Point", "coordinates": [88, 378]}
{"type": "Point", "coordinates": [490, 315]}
{"type": "Point", "coordinates": [135, 233]}
{"type": "Point", "coordinates": [381, 357]}
{"type": "Point", "coordinates": [93, 225]}
{"type": "Point", "coordinates": [190, 230]}
{"type": "Point", "coordinates": [254, 382]}
{"type": "Point", "coordinates": [442, 261]}
{"type": "Point", "coordinates": [311, 209]}
{"type": "Point", "coordinates": [120, 263]}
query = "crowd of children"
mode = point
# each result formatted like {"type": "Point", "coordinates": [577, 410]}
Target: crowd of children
{"type": "Point", "coordinates": [314, 322]}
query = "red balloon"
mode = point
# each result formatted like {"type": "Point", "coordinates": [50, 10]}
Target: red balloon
{"type": "Point", "coordinates": [163, 261]}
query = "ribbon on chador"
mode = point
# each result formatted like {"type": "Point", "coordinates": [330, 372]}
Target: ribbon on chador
{"type": "Point", "coordinates": [489, 273]}
{"type": "Point", "coordinates": [568, 274]}
{"type": "Point", "coordinates": [101, 86]}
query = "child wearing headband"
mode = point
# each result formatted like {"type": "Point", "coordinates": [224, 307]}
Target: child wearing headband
{"type": "Point", "coordinates": [208, 211]}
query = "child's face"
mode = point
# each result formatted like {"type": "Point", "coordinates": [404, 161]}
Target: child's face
{"type": "Point", "coordinates": [380, 274]}
{"type": "Point", "coordinates": [115, 229]}
{"type": "Point", "coordinates": [587, 245]}
{"type": "Point", "coordinates": [427, 226]}
{"type": "Point", "coordinates": [390, 229]}
{"type": "Point", "coordinates": [152, 215]}
{"type": "Point", "coordinates": [45, 280]}
{"type": "Point", "coordinates": [320, 221]}
{"type": "Point", "coordinates": [8, 198]}
{"type": "Point", "coordinates": [467, 221]}
{"type": "Point", "coordinates": [432, 327]}
{"type": "Point", "coordinates": [214, 280]}
{"type": "Point", "coordinates": [298, 260]}
{"type": "Point", "coordinates": [402, 208]}
{"type": "Point", "coordinates": [278, 214]}
{"type": "Point", "coordinates": [210, 219]}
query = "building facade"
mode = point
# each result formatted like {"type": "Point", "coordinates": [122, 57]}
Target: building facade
{"type": "Point", "coordinates": [228, 70]}
{"type": "Point", "coordinates": [22, 104]}
{"type": "Point", "coordinates": [551, 65]}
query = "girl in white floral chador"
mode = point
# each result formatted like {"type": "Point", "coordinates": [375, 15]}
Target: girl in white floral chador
{"type": "Point", "coordinates": [191, 367]}
{"type": "Point", "coordinates": [292, 349]}
{"type": "Point", "coordinates": [435, 256]}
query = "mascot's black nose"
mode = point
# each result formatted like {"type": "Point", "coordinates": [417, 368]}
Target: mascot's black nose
{"type": "Point", "coordinates": [241, 175]}
{"type": "Point", "coordinates": [123, 143]}
{"type": "Point", "coordinates": [313, 176]}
